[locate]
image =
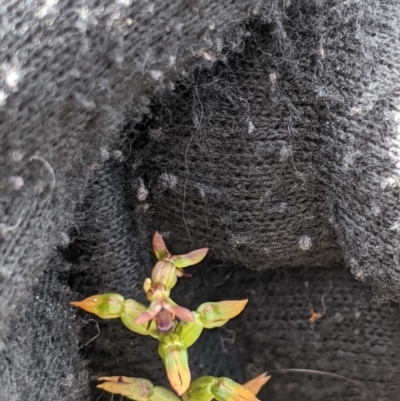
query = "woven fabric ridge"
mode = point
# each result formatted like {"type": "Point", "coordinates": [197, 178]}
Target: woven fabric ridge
{"type": "Point", "coordinates": [281, 150]}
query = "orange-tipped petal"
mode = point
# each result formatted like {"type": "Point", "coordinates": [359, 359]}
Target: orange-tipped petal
{"type": "Point", "coordinates": [132, 388]}
{"type": "Point", "coordinates": [106, 306]}
{"type": "Point", "coordinates": [190, 259]}
{"type": "Point", "coordinates": [151, 313]}
{"type": "Point", "coordinates": [227, 390]}
{"type": "Point", "coordinates": [216, 314]}
{"type": "Point", "coordinates": [159, 247]}
{"type": "Point", "coordinates": [255, 385]}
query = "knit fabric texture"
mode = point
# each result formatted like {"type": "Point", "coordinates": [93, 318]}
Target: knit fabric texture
{"type": "Point", "coordinates": [266, 130]}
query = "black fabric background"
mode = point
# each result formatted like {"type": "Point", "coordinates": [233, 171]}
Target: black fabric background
{"type": "Point", "coordinates": [267, 131]}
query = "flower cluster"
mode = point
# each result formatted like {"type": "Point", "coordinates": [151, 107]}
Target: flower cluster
{"type": "Point", "coordinates": [176, 329]}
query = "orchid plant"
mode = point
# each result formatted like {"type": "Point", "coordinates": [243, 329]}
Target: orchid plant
{"type": "Point", "coordinates": [176, 329]}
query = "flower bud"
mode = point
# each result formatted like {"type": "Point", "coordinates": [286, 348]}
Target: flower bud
{"type": "Point", "coordinates": [216, 314]}
{"type": "Point", "coordinates": [106, 306]}
{"type": "Point", "coordinates": [164, 272]}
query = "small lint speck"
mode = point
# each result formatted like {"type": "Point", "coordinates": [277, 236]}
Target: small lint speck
{"type": "Point", "coordinates": [285, 153]}
{"type": "Point", "coordinates": [11, 75]}
{"type": "Point", "coordinates": [16, 182]}
{"type": "Point", "coordinates": [388, 183]}
{"type": "Point", "coordinates": [168, 180]}
{"type": "Point", "coordinates": [142, 192]}
{"type": "Point", "coordinates": [252, 127]}
{"type": "Point", "coordinates": [156, 74]}
{"type": "Point", "coordinates": [3, 98]}
{"type": "Point", "coordinates": [305, 243]}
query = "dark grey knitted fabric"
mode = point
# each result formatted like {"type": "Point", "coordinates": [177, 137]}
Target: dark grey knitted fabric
{"type": "Point", "coordinates": [265, 130]}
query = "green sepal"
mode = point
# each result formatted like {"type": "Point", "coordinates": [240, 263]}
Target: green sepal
{"type": "Point", "coordinates": [189, 332]}
{"type": "Point", "coordinates": [200, 389]}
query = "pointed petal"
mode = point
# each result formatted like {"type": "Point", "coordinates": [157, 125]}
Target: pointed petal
{"type": "Point", "coordinates": [227, 390]}
{"type": "Point", "coordinates": [190, 259]}
{"type": "Point", "coordinates": [177, 367]}
{"type": "Point", "coordinates": [159, 247]}
{"type": "Point", "coordinates": [130, 387]}
{"type": "Point", "coordinates": [180, 312]}
{"type": "Point", "coordinates": [151, 312]}
{"type": "Point", "coordinates": [106, 306]}
{"type": "Point", "coordinates": [216, 314]}
{"type": "Point", "coordinates": [133, 310]}
{"type": "Point", "coordinates": [255, 385]}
